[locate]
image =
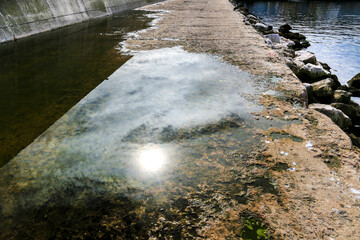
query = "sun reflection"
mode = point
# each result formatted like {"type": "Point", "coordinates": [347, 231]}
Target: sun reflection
{"type": "Point", "coordinates": [152, 159]}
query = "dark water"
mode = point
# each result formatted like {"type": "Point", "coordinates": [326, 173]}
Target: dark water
{"type": "Point", "coordinates": [42, 77]}
{"type": "Point", "coordinates": [332, 27]}
{"type": "Point", "coordinates": [158, 151]}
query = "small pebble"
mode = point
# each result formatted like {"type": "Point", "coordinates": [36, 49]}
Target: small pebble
{"type": "Point", "coordinates": [284, 153]}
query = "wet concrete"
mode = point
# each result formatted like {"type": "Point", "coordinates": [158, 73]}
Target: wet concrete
{"type": "Point", "coordinates": [218, 151]}
{"type": "Point", "coordinates": [152, 152]}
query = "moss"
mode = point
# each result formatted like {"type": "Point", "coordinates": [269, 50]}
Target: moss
{"type": "Point", "coordinates": [280, 135]}
{"type": "Point", "coordinates": [254, 228]}
{"type": "Point", "coordinates": [98, 5]}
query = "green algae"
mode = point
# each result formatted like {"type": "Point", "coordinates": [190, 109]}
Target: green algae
{"type": "Point", "coordinates": [254, 229]}
{"type": "Point", "coordinates": [282, 135]}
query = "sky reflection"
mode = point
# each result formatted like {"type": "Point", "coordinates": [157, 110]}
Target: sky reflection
{"type": "Point", "coordinates": [152, 159]}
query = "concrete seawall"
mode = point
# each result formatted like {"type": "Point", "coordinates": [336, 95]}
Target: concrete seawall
{"type": "Point", "coordinates": [21, 18]}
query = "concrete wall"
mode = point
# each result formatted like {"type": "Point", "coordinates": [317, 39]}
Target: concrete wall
{"type": "Point", "coordinates": [21, 18]}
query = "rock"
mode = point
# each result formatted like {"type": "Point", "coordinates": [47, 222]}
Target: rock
{"type": "Point", "coordinates": [311, 73]}
{"type": "Point", "coordinates": [355, 140]}
{"type": "Point", "coordinates": [344, 87]}
{"type": "Point", "coordinates": [351, 110]}
{"type": "Point", "coordinates": [268, 41]}
{"type": "Point", "coordinates": [238, 6]}
{"type": "Point", "coordinates": [336, 80]}
{"type": "Point", "coordinates": [243, 10]}
{"type": "Point", "coordinates": [300, 44]}
{"type": "Point", "coordinates": [266, 32]}
{"type": "Point", "coordinates": [355, 92]}
{"type": "Point", "coordinates": [288, 52]}
{"type": "Point", "coordinates": [290, 44]}
{"type": "Point", "coordinates": [293, 36]}
{"type": "Point", "coordinates": [336, 115]}
{"type": "Point", "coordinates": [275, 38]}
{"type": "Point", "coordinates": [355, 82]}
{"type": "Point", "coordinates": [285, 28]}
{"type": "Point", "coordinates": [325, 66]}
{"type": "Point", "coordinates": [294, 65]}
{"type": "Point", "coordinates": [254, 20]}
{"type": "Point", "coordinates": [305, 57]}
{"type": "Point", "coordinates": [261, 27]}
{"type": "Point", "coordinates": [342, 96]}
{"type": "Point", "coordinates": [309, 91]}
{"type": "Point", "coordinates": [323, 90]}
{"type": "Point", "coordinates": [252, 17]}
{"type": "Point", "coordinates": [305, 44]}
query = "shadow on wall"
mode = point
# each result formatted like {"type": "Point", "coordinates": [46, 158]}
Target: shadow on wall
{"type": "Point", "coordinates": [21, 18]}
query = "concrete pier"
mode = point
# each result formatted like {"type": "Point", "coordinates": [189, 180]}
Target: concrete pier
{"type": "Point", "coordinates": [204, 133]}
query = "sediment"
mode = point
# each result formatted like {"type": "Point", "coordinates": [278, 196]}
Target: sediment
{"type": "Point", "coordinates": [318, 195]}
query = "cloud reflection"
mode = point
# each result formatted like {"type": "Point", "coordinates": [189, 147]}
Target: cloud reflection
{"type": "Point", "coordinates": [152, 159]}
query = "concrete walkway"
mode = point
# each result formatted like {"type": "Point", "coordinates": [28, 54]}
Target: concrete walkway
{"type": "Point", "coordinates": [320, 195]}
{"type": "Point", "coordinates": [210, 141]}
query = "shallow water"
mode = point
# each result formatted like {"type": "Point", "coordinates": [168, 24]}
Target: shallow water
{"type": "Point", "coordinates": [43, 76]}
{"type": "Point", "coordinates": [332, 27]}
{"type": "Point", "coordinates": [156, 150]}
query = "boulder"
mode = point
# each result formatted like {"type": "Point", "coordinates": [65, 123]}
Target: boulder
{"type": "Point", "coordinates": [275, 38]}
{"type": "Point", "coordinates": [252, 17]}
{"type": "Point", "coordinates": [238, 6]}
{"type": "Point", "coordinates": [351, 110]}
{"type": "Point", "coordinates": [293, 36]}
{"type": "Point", "coordinates": [268, 41]}
{"type": "Point", "coordinates": [336, 80]}
{"type": "Point", "coordinates": [305, 57]}
{"type": "Point", "coordinates": [355, 92]}
{"type": "Point", "coordinates": [323, 90]}
{"type": "Point", "coordinates": [290, 44]}
{"type": "Point", "coordinates": [355, 82]}
{"type": "Point", "coordinates": [261, 27]}
{"type": "Point", "coordinates": [243, 10]}
{"type": "Point", "coordinates": [288, 52]}
{"type": "Point", "coordinates": [342, 96]}
{"type": "Point", "coordinates": [355, 140]}
{"type": "Point", "coordinates": [311, 73]}
{"type": "Point", "coordinates": [285, 28]}
{"type": "Point", "coordinates": [336, 115]}
{"type": "Point", "coordinates": [344, 87]}
{"type": "Point", "coordinates": [294, 65]}
{"type": "Point", "coordinates": [325, 66]}
{"type": "Point", "coordinates": [309, 91]}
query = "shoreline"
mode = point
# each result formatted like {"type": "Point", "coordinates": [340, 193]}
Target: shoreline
{"type": "Point", "coordinates": [325, 92]}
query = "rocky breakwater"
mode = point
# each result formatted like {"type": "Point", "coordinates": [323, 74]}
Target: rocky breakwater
{"type": "Point", "coordinates": [325, 92]}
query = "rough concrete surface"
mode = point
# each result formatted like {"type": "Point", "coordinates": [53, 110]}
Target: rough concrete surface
{"type": "Point", "coordinates": [319, 192]}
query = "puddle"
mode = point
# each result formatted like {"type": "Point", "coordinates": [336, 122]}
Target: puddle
{"type": "Point", "coordinates": [148, 153]}
{"type": "Point", "coordinates": [282, 135]}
